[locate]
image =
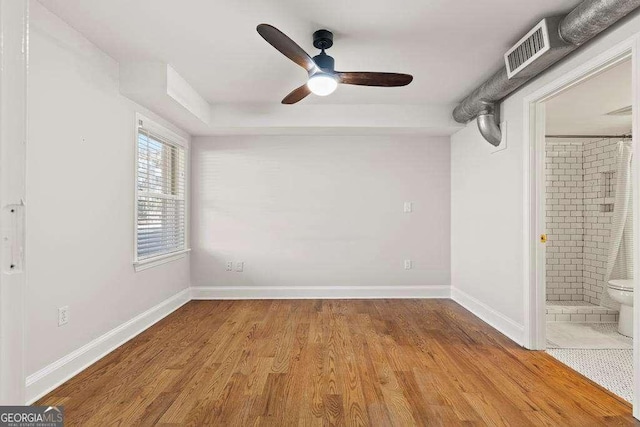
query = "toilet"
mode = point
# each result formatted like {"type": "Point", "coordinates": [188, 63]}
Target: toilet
{"type": "Point", "coordinates": [622, 292]}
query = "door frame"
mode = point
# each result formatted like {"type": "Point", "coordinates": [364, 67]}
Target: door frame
{"type": "Point", "coordinates": [14, 48]}
{"type": "Point", "coordinates": [534, 193]}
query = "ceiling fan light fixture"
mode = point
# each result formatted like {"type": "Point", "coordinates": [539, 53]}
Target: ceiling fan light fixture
{"type": "Point", "coordinates": [322, 84]}
{"type": "Point", "coordinates": [323, 79]}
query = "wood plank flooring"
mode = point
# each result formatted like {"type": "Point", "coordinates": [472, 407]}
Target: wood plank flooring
{"type": "Point", "coordinates": [331, 362]}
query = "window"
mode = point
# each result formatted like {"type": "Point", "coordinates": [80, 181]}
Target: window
{"type": "Point", "coordinates": [160, 195]}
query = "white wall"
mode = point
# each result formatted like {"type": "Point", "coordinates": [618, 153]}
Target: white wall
{"type": "Point", "coordinates": [488, 203]}
{"type": "Point", "coordinates": [305, 211]}
{"type": "Point", "coordinates": [80, 191]}
{"type": "Point", "coordinates": [486, 222]}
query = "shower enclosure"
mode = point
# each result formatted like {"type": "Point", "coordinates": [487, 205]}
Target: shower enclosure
{"type": "Point", "coordinates": [580, 190]}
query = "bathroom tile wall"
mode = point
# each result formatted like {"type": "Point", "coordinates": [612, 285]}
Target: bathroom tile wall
{"type": "Point", "coordinates": [599, 159]}
{"type": "Point", "coordinates": [579, 214]}
{"type": "Point", "coordinates": [564, 185]}
{"type": "Point", "coordinates": [581, 314]}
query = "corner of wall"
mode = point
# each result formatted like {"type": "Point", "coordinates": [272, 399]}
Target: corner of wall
{"type": "Point", "coordinates": [489, 315]}
{"type": "Point", "coordinates": [53, 375]}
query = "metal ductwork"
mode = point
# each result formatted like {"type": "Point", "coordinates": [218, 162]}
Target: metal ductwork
{"type": "Point", "coordinates": [563, 36]}
{"type": "Point", "coordinates": [489, 124]}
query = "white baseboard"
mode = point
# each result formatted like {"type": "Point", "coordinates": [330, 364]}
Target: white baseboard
{"type": "Point", "coordinates": [48, 378]}
{"type": "Point", "coordinates": [498, 320]}
{"type": "Point", "coordinates": [318, 292]}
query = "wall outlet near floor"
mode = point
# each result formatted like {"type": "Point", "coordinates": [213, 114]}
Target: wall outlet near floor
{"type": "Point", "coordinates": [239, 266]}
{"type": "Point", "coordinates": [408, 207]}
{"type": "Point", "coordinates": [407, 264]}
{"type": "Point", "coordinates": [229, 266]}
{"type": "Point", "coordinates": [63, 315]}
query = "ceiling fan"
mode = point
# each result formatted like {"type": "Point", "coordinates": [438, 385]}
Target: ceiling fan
{"type": "Point", "coordinates": [323, 79]}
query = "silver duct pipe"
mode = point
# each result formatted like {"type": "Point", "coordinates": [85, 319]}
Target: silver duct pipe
{"type": "Point", "coordinates": [591, 17]}
{"type": "Point", "coordinates": [489, 124]}
{"type": "Point", "coordinates": [587, 20]}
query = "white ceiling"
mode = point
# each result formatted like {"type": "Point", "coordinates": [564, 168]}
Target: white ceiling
{"type": "Point", "coordinates": [449, 46]}
{"type": "Point", "coordinates": [582, 109]}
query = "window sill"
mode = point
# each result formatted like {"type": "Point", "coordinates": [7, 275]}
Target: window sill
{"type": "Point", "coordinates": [159, 260]}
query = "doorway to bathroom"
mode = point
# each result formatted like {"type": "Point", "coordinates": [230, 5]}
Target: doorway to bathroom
{"type": "Point", "coordinates": [589, 228]}
{"type": "Point", "coordinates": [585, 225]}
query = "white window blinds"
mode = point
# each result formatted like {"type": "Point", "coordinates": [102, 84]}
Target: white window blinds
{"type": "Point", "coordinates": [160, 227]}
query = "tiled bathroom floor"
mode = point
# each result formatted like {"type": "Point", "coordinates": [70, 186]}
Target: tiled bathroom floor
{"type": "Point", "coordinates": [597, 351]}
{"type": "Point", "coordinates": [611, 368]}
{"type": "Point", "coordinates": [586, 336]}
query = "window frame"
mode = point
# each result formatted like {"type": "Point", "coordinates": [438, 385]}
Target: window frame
{"type": "Point", "coordinates": [178, 141]}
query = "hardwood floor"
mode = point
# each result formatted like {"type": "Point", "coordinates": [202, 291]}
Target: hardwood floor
{"type": "Point", "coordinates": [331, 362]}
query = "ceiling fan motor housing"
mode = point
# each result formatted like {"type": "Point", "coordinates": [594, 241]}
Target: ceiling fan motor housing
{"type": "Point", "coordinates": [323, 39]}
{"type": "Point", "coordinates": [325, 62]}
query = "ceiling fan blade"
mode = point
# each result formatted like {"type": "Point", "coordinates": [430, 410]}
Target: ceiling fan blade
{"type": "Point", "coordinates": [287, 47]}
{"type": "Point", "coordinates": [364, 78]}
{"type": "Point", "coordinates": [297, 95]}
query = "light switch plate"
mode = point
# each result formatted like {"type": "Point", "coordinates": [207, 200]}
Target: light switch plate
{"type": "Point", "coordinates": [408, 207]}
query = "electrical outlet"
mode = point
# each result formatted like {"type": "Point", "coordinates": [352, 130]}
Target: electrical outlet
{"type": "Point", "coordinates": [408, 207]}
{"type": "Point", "coordinates": [229, 265]}
{"type": "Point", "coordinates": [239, 266]}
{"type": "Point", "coordinates": [407, 264]}
{"type": "Point", "coordinates": [63, 315]}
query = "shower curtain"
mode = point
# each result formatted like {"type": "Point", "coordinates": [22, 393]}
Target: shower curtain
{"type": "Point", "coordinates": [620, 259]}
